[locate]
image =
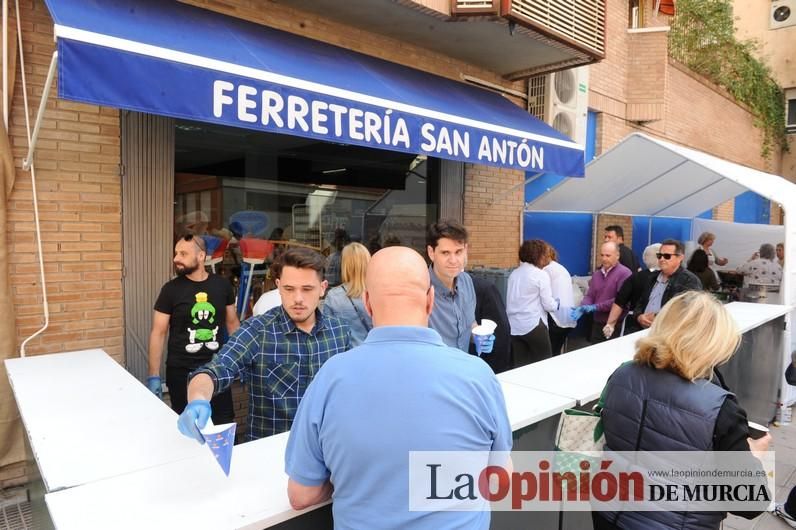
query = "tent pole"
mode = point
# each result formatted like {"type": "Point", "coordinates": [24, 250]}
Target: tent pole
{"type": "Point", "coordinates": [26, 163]}
{"type": "Point", "coordinates": [594, 246]}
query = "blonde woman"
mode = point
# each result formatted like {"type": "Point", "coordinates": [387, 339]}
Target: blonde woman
{"type": "Point", "coordinates": [670, 398]}
{"type": "Point", "coordinates": [345, 301]}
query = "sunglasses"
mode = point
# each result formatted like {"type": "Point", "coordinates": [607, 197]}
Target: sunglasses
{"type": "Point", "coordinates": [665, 256]}
{"type": "Point", "coordinates": [198, 240]}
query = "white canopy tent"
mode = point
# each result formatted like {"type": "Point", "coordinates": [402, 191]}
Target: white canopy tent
{"type": "Point", "coordinates": [644, 176]}
{"type": "Point", "coordinates": [650, 177]}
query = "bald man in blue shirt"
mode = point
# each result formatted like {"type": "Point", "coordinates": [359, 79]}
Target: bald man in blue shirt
{"type": "Point", "coordinates": [369, 407]}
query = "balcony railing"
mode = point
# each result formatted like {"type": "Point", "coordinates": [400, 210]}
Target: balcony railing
{"type": "Point", "coordinates": [579, 23]}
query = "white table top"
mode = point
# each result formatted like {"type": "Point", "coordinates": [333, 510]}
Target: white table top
{"type": "Point", "coordinates": [526, 406]}
{"type": "Point", "coordinates": [582, 374]}
{"type": "Point", "coordinates": [190, 490]}
{"type": "Point", "coordinates": [190, 493]}
{"type": "Point", "coordinates": [87, 418]}
{"type": "Point", "coordinates": [578, 375]}
{"type": "Point", "coordinates": [749, 316]}
{"type": "Point", "coordinates": [194, 493]}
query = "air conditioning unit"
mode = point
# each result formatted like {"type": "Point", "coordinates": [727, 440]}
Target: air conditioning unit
{"type": "Point", "coordinates": [783, 14]}
{"type": "Point", "coordinates": [561, 99]}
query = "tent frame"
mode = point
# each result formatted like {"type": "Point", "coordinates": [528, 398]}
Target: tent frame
{"type": "Point", "coordinates": [634, 159]}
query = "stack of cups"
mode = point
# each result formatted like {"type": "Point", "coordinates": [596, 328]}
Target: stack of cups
{"type": "Point", "coordinates": [482, 332]}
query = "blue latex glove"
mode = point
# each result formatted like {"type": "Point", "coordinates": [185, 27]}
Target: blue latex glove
{"type": "Point", "coordinates": [193, 418]}
{"type": "Point", "coordinates": [154, 385]}
{"type": "Point", "coordinates": [575, 313]}
{"type": "Point", "coordinates": [484, 343]}
{"type": "Point", "coordinates": [589, 308]}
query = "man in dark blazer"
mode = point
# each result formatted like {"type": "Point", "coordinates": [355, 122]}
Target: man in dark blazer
{"type": "Point", "coordinates": [489, 304]}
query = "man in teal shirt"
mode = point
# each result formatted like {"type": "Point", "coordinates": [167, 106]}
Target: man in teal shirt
{"type": "Point", "coordinates": [369, 407]}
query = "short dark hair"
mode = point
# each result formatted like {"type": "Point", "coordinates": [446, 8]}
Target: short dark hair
{"type": "Point", "coordinates": [533, 251]}
{"type": "Point", "coordinates": [446, 228]}
{"type": "Point", "coordinates": [676, 243]}
{"type": "Point", "coordinates": [300, 258]}
{"type": "Point", "coordinates": [616, 229]}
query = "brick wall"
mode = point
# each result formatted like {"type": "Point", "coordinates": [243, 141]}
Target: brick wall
{"type": "Point", "coordinates": [789, 160]}
{"type": "Point", "coordinates": [79, 188]}
{"type": "Point", "coordinates": [646, 82]}
{"type": "Point", "coordinates": [493, 201]}
{"type": "Point", "coordinates": [696, 113]}
{"type": "Point", "coordinates": [603, 220]}
{"type": "Point", "coordinates": [79, 193]}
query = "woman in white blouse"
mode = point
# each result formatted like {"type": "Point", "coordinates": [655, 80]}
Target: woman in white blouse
{"type": "Point", "coordinates": [528, 300]}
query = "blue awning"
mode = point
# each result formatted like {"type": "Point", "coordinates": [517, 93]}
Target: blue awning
{"type": "Point", "coordinates": [168, 58]}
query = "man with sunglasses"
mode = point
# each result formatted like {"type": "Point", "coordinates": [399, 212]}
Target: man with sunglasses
{"type": "Point", "coordinates": [671, 280]}
{"type": "Point", "coordinates": [193, 308]}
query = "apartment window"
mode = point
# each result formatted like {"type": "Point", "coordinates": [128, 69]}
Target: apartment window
{"type": "Point", "coordinates": [790, 110]}
{"type": "Point", "coordinates": [634, 14]}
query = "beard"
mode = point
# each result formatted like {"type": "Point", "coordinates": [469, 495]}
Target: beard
{"type": "Point", "coordinates": [185, 270]}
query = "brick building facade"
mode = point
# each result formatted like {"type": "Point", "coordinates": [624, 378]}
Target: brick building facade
{"type": "Point", "coordinates": [639, 88]}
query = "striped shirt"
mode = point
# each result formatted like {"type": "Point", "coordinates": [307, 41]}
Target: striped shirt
{"type": "Point", "coordinates": [278, 360]}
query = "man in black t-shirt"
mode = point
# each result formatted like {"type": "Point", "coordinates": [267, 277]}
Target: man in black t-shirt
{"type": "Point", "coordinates": [627, 257]}
{"type": "Point", "coordinates": [192, 308]}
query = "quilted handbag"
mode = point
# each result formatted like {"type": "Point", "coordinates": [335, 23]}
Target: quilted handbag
{"type": "Point", "coordinates": [580, 430]}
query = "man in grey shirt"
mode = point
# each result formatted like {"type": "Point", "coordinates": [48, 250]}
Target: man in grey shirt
{"type": "Point", "coordinates": [453, 316]}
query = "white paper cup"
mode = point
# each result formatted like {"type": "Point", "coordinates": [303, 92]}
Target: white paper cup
{"type": "Point", "coordinates": [490, 325]}
{"type": "Point", "coordinates": [756, 430]}
{"type": "Point", "coordinates": [481, 332]}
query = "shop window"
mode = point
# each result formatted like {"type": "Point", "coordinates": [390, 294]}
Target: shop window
{"type": "Point", "coordinates": [234, 183]}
